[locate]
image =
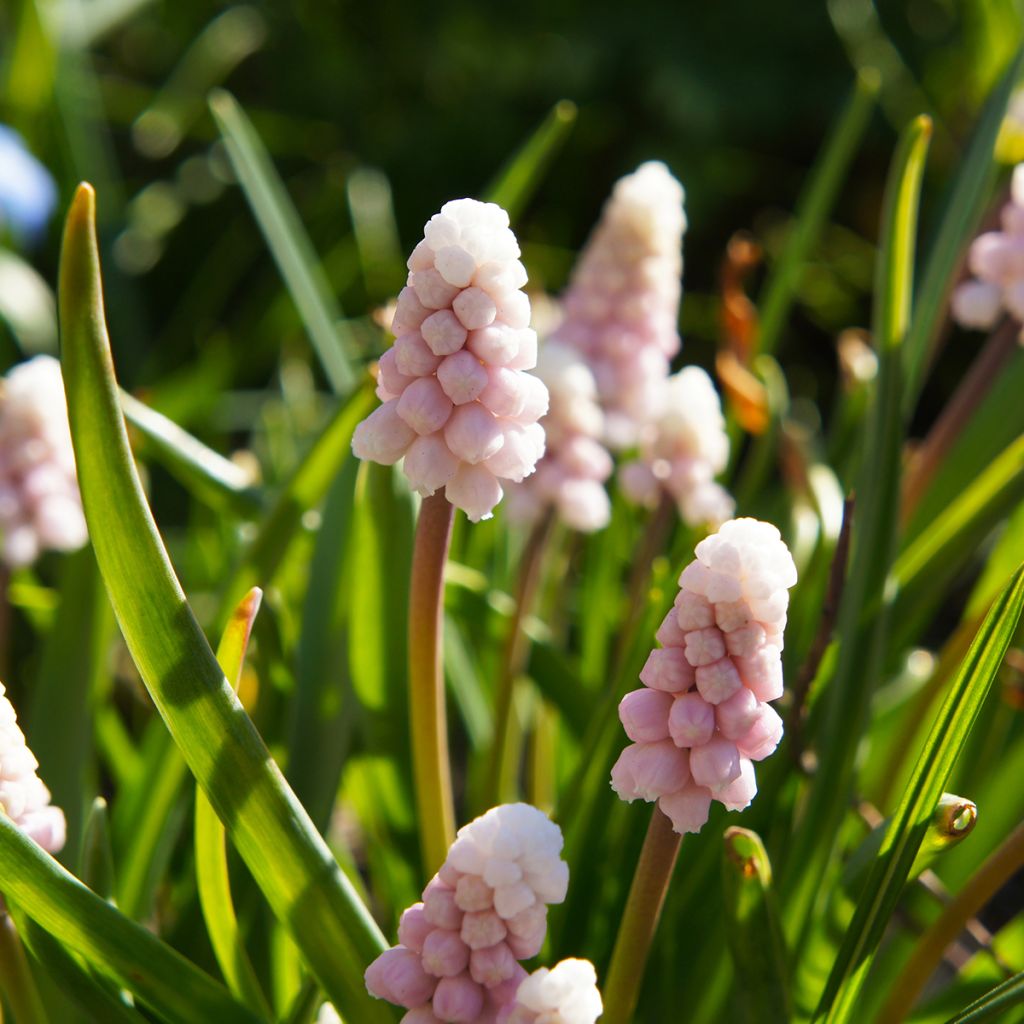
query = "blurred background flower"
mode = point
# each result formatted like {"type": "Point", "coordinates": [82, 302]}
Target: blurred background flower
{"type": "Point", "coordinates": [28, 193]}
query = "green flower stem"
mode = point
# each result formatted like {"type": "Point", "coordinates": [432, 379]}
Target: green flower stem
{"type": "Point", "coordinates": [640, 919]}
{"type": "Point", "coordinates": [983, 885]}
{"type": "Point", "coordinates": [501, 782]}
{"type": "Point", "coordinates": [431, 767]}
{"type": "Point", "coordinates": [16, 981]}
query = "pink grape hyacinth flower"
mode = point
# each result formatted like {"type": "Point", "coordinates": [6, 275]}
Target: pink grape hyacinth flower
{"type": "Point", "coordinates": [484, 911]}
{"type": "Point", "coordinates": [40, 506]}
{"type": "Point", "coordinates": [622, 305]}
{"type": "Point", "coordinates": [570, 478]}
{"type": "Point", "coordinates": [996, 263]}
{"type": "Point", "coordinates": [459, 407]}
{"type": "Point", "coordinates": [703, 716]}
{"type": "Point", "coordinates": [683, 447]}
{"type": "Point", "coordinates": [23, 796]}
{"type": "Point", "coordinates": [566, 994]}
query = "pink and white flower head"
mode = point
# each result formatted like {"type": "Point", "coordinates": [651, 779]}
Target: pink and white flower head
{"type": "Point", "coordinates": [40, 506]}
{"type": "Point", "coordinates": [703, 716]}
{"type": "Point", "coordinates": [996, 263]}
{"type": "Point", "coordinates": [683, 447]}
{"type": "Point", "coordinates": [23, 797]}
{"type": "Point", "coordinates": [570, 478]}
{"type": "Point", "coordinates": [622, 305]}
{"type": "Point", "coordinates": [566, 994]}
{"type": "Point", "coordinates": [483, 912]}
{"type": "Point", "coordinates": [458, 406]}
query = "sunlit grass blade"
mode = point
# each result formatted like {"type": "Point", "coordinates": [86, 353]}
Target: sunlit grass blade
{"type": "Point", "coordinates": [982, 887]}
{"type": "Point", "coordinates": [373, 223]}
{"type": "Point", "coordinates": [225, 42]}
{"type": "Point", "coordinates": [910, 823]}
{"type": "Point", "coordinates": [275, 837]}
{"type": "Point", "coordinates": [861, 638]}
{"type": "Point", "coordinates": [212, 879]}
{"type": "Point", "coordinates": [754, 930]}
{"type": "Point", "coordinates": [97, 853]}
{"type": "Point", "coordinates": [87, 925]}
{"type": "Point", "coordinates": [288, 242]}
{"type": "Point", "coordinates": [60, 719]}
{"type": "Point", "coordinates": [937, 553]}
{"type": "Point", "coordinates": [202, 471]}
{"type": "Point", "coordinates": [322, 715]}
{"type": "Point", "coordinates": [521, 176]}
{"type": "Point", "coordinates": [93, 994]}
{"type": "Point", "coordinates": [816, 202]}
{"type": "Point", "coordinates": [147, 818]}
{"type": "Point", "coordinates": [303, 491]}
{"type": "Point", "coordinates": [994, 1004]}
{"type": "Point", "coordinates": [964, 206]}
{"type": "Point", "coordinates": [18, 983]}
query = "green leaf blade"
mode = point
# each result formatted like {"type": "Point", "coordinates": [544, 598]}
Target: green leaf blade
{"type": "Point", "coordinates": [912, 819]}
{"type": "Point", "coordinates": [268, 826]}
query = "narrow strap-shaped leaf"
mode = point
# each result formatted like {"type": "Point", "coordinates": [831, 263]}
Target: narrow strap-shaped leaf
{"type": "Point", "coordinates": [97, 853]}
{"type": "Point", "coordinates": [963, 210]}
{"type": "Point", "coordinates": [754, 930]}
{"type": "Point", "coordinates": [200, 469]}
{"type": "Point", "coordinates": [94, 994]}
{"type": "Point", "coordinates": [321, 708]}
{"type": "Point", "coordinates": [520, 177]}
{"type": "Point", "coordinates": [910, 823]}
{"type": "Point", "coordinates": [815, 203]}
{"type": "Point", "coordinates": [177, 990]}
{"type": "Point", "coordinates": [304, 490]}
{"type": "Point", "coordinates": [939, 552]}
{"type": "Point", "coordinates": [861, 637]}
{"type": "Point", "coordinates": [287, 857]}
{"type": "Point", "coordinates": [995, 1002]}
{"type": "Point", "coordinates": [288, 242]}
{"type": "Point", "coordinates": [212, 879]}
{"type": "Point", "coordinates": [60, 718]}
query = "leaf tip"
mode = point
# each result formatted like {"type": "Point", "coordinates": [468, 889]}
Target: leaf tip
{"type": "Point", "coordinates": [566, 111]}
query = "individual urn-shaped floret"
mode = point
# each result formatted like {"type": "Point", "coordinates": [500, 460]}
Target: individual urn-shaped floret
{"type": "Point", "coordinates": [622, 304]}
{"type": "Point", "coordinates": [996, 264]}
{"type": "Point", "coordinates": [570, 477]}
{"type": "Point", "coordinates": [23, 797]}
{"type": "Point", "coordinates": [683, 447]}
{"type": "Point", "coordinates": [704, 714]}
{"type": "Point", "coordinates": [566, 994]}
{"type": "Point", "coordinates": [458, 405]}
{"type": "Point", "coordinates": [40, 506]}
{"type": "Point", "coordinates": [484, 911]}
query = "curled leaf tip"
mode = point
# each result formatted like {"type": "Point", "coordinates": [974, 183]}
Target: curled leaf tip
{"type": "Point", "coordinates": [250, 604]}
{"type": "Point", "coordinates": [956, 816]}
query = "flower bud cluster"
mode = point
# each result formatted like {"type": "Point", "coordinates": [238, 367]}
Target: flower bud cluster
{"type": "Point", "coordinates": [622, 305]}
{"type": "Point", "coordinates": [23, 796]}
{"type": "Point", "coordinates": [683, 447]}
{"type": "Point", "coordinates": [483, 912]}
{"type": "Point", "coordinates": [40, 506]}
{"type": "Point", "coordinates": [566, 994]}
{"type": "Point", "coordinates": [458, 406]}
{"type": "Point", "coordinates": [571, 475]}
{"type": "Point", "coordinates": [704, 716]}
{"type": "Point", "coordinates": [996, 263]}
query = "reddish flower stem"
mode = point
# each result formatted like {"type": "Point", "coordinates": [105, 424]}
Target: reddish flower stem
{"type": "Point", "coordinates": [428, 723]}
